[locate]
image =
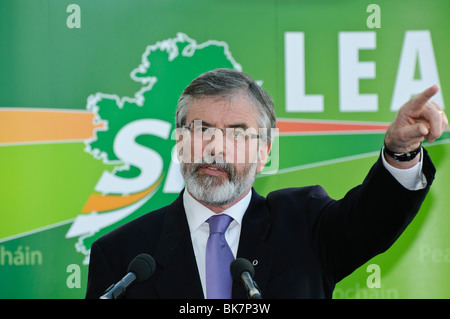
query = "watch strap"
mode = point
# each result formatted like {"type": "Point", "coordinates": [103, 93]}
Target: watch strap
{"type": "Point", "coordinates": [403, 157]}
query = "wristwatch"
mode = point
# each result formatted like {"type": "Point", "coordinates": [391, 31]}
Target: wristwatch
{"type": "Point", "coordinates": [403, 157]}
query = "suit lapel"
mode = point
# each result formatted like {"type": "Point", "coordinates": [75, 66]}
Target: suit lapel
{"type": "Point", "coordinates": [179, 276]}
{"type": "Point", "coordinates": [252, 246]}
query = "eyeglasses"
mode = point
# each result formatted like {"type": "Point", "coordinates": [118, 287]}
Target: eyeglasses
{"type": "Point", "coordinates": [237, 134]}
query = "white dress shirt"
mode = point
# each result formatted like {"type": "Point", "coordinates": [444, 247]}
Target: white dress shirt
{"type": "Point", "coordinates": [197, 215]}
{"type": "Point", "coordinates": [412, 178]}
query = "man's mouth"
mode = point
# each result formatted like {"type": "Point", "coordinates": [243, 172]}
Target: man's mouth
{"type": "Point", "coordinates": [213, 170]}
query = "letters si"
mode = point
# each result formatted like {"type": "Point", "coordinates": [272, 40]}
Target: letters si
{"type": "Point", "coordinates": [130, 152]}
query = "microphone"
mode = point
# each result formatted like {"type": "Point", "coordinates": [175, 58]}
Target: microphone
{"type": "Point", "coordinates": [140, 269]}
{"type": "Point", "coordinates": [242, 272]}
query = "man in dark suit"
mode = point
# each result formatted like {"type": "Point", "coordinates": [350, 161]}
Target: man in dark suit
{"type": "Point", "coordinates": [300, 241]}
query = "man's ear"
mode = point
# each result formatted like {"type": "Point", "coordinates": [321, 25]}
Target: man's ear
{"type": "Point", "coordinates": [180, 143]}
{"type": "Point", "coordinates": [263, 155]}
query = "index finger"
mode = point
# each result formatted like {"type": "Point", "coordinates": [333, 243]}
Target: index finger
{"type": "Point", "coordinates": [422, 98]}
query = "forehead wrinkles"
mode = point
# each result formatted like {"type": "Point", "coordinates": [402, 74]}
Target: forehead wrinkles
{"type": "Point", "coordinates": [229, 103]}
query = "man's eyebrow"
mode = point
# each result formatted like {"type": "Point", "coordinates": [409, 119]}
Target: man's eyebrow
{"type": "Point", "coordinates": [205, 123]}
{"type": "Point", "coordinates": [237, 125]}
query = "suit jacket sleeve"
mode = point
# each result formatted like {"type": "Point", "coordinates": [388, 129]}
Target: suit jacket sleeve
{"type": "Point", "coordinates": [366, 222]}
{"type": "Point", "coordinates": [101, 276]}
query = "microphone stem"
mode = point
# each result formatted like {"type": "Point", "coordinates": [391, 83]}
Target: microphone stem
{"type": "Point", "coordinates": [252, 292]}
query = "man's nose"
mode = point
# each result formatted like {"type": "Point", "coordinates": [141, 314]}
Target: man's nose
{"type": "Point", "coordinates": [214, 144]}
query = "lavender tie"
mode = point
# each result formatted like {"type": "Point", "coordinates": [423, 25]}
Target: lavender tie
{"type": "Point", "coordinates": [218, 259]}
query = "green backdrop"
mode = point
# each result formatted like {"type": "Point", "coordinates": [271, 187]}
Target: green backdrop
{"type": "Point", "coordinates": [116, 68]}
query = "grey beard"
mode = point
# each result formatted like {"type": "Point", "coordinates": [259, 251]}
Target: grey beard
{"type": "Point", "coordinates": [210, 189]}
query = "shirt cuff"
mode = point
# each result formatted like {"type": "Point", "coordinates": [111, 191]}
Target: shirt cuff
{"type": "Point", "coordinates": [412, 178]}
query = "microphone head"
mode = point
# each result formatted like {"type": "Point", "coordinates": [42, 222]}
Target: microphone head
{"type": "Point", "coordinates": [238, 266]}
{"type": "Point", "coordinates": [143, 266]}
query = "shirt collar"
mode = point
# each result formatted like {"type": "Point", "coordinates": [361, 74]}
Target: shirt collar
{"type": "Point", "coordinates": [197, 213]}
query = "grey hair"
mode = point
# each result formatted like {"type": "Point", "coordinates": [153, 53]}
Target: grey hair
{"type": "Point", "coordinates": [227, 83]}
